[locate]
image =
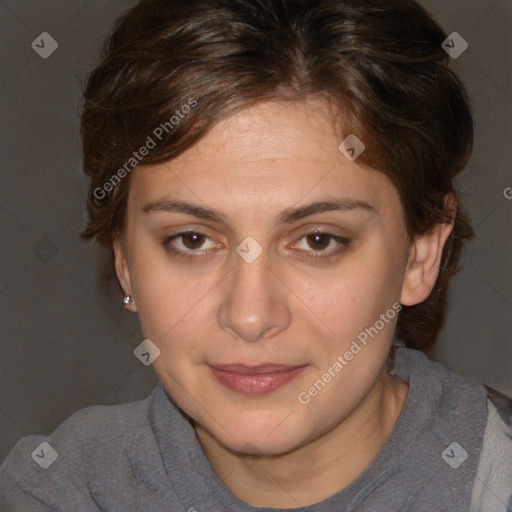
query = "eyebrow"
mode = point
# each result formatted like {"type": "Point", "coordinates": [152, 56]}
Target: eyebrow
{"type": "Point", "coordinates": [288, 216]}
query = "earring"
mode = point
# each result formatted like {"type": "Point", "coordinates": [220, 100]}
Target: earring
{"type": "Point", "coordinates": [127, 299]}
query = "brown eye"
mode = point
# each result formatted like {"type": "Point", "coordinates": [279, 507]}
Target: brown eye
{"type": "Point", "coordinates": [193, 240]}
{"type": "Point", "coordinates": [320, 244]}
{"type": "Point", "coordinates": [189, 244]}
{"type": "Point", "coordinates": [318, 241]}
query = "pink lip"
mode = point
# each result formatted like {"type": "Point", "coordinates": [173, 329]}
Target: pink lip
{"type": "Point", "coordinates": [255, 380]}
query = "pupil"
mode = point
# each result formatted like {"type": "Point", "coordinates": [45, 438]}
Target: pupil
{"type": "Point", "coordinates": [317, 238]}
{"type": "Point", "coordinates": [194, 238]}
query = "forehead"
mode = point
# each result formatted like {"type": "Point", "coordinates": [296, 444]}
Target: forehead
{"type": "Point", "coordinates": [274, 130]}
{"type": "Point", "coordinates": [275, 153]}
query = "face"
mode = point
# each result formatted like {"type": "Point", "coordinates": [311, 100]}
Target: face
{"type": "Point", "coordinates": [255, 260]}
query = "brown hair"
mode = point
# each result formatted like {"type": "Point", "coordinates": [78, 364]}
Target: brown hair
{"type": "Point", "coordinates": [183, 65]}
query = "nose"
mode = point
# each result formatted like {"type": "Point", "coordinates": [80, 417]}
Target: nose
{"type": "Point", "coordinates": [254, 305]}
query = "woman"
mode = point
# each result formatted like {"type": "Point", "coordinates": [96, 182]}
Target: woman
{"type": "Point", "coordinates": [275, 179]}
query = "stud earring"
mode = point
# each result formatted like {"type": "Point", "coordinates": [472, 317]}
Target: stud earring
{"type": "Point", "coordinates": [127, 299]}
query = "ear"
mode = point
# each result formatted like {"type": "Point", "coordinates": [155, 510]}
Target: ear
{"type": "Point", "coordinates": [123, 272]}
{"type": "Point", "coordinates": [425, 259]}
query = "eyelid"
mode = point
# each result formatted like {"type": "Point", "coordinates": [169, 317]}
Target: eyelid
{"type": "Point", "coordinates": [190, 253]}
{"type": "Point", "coordinates": [342, 242]}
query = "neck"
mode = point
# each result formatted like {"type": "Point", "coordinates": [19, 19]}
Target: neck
{"type": "Point", "coordinates": [320, 468]}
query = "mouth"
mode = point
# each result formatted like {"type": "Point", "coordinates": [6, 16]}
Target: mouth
{"type": "Point", "coordinates": [255, 380]}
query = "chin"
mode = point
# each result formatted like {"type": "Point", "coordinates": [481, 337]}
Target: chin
{"type": "Point", "coordinates": [270, 437]}
{"type": "Point", "coordinates": [259, 446]}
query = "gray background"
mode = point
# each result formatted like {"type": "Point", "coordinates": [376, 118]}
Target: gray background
{"type": "Point", "coordinates": [67, 342]}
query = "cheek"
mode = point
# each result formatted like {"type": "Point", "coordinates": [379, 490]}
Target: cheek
{"type": "Point", "coordinates": [353, 297]}
{"type": "Point", "coordinates": [174, 305]}
{"type": "Point", "coordinates": [155, 288]}
{"type": "Point", "coordinates": [166, 303]}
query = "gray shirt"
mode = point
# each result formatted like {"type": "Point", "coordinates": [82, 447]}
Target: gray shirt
{"type": "Point", "coordinates": [450, 451]}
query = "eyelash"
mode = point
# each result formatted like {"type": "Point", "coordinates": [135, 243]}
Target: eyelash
{"type": "Point", "coordinates": [343, 243]}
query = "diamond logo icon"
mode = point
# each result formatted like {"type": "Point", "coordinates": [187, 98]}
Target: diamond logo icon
{"type": "Point", "coordinates": [44, 455]}
{"type": "Point", "coordinates": [44, 250]}
{"type": "Point", "coordinates": [44, 45]}
{"type": "Point", "coordinates": [250, 459]}
{"type": "Point", "coordinates": [249, 250]}
{"type": "Point", "coordinates": [352, 147]}
{"type": "Point", "coordinates": [454, 45]}
{"type": "Point", "coordinates": [146, 352]}
{"type": "Point", "coordinates": [454, 455]}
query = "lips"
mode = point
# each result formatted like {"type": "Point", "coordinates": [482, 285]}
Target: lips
{"type": "Point", "coordinates": [263, 368]}
{"type": "Point", "coordinates": [255, 380]}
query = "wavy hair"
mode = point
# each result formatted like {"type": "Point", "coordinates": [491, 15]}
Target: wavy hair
{"type": "Point", "coordinates": [379, 62]}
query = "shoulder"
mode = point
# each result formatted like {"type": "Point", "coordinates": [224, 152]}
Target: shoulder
{"type": "Point", "coordinates": [492, 491]}
{"type": "Point", "coordinates": [476, 416]}
{"type": "Point", "coordinates": [54, 470]}
{"type": "Point", "coordinates": [440, 385]}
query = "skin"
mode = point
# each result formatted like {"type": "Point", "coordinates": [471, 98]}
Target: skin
{"type": "Point", "coordinates": [284, 307]}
